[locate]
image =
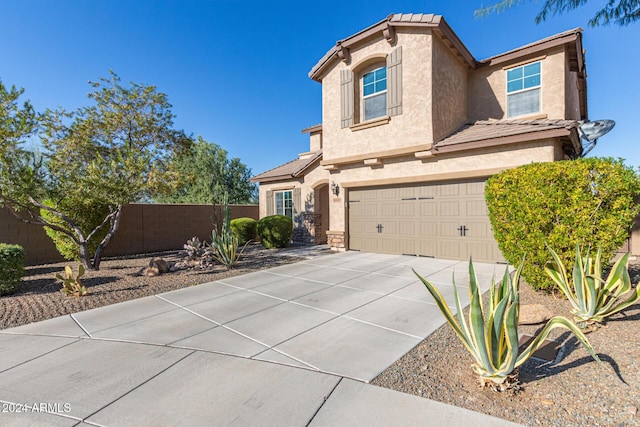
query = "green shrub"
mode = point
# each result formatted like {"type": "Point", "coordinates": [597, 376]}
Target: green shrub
{"type": "Point", "coordinates": [87, 216]}
{"type": "Point", "coordinates": [275, 231]}
{"type": "Point", "coordinates": [586, 202]}
{"type": "Point", "coordinates": [244, 229]}
{"type": "Point", "coordinates": [11, 268]}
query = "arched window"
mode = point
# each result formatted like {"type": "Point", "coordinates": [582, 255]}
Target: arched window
{"type": "Point", "coordinates": [372, 89]}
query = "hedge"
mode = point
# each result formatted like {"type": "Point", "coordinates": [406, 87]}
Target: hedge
{"type": "Point", "coordinates": [245, 229]}
{"type": "Point", "coordinates": [275, 231]}
{"type": "Point", "coordinates": [11, 268]}
{"type": "Point", "coordinates": [586, 201]}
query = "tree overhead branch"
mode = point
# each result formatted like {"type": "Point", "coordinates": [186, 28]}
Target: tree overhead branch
{"type": "Point", "coordinates": [617, 12]}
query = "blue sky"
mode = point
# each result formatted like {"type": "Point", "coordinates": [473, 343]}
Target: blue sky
{"type": "Point", "coordinates": [236, 71]}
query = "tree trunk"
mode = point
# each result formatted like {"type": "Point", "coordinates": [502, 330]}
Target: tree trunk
{"type": "Point", "coordinates": [114, 223]}
{"type": "Point", "coordinates": [85, 258]}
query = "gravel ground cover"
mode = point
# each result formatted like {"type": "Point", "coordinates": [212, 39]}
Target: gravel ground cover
{"type": "Point", "coordinates": [118, 280]}
{"type": "Point", "coordinates": [572, 391]}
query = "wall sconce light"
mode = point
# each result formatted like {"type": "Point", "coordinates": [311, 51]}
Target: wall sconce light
{"type": "Point", "coordinates": [335, 188]}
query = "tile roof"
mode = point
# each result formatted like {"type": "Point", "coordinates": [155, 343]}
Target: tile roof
{"type": "Point", "coordinates": [438, 23]}
{"type": "Point", "coordinates": [289, 170]}
{"type": "Point", "coordinates": [555, 37]}
{"type": "Point", "coordinates": [394, 19]}
{"type": "Point", "coordinates": [495, 129]}
{"type": "Point", "coordinates": [425, 18]}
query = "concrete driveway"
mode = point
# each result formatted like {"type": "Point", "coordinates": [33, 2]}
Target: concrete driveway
{"type": "Point", "coordinates": [295, 345]}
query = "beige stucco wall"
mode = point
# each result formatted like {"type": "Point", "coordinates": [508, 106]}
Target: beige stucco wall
{"type": "Point", "coordinates": [488, 93]}
{"type": "Point", "coordinates": [572, 100]}
{"type": "Point", "coordinates": [410, 128]}
{"type": "Point", "coordinates": [315, 141]}
{"type": "Point", "coordinates": [450, 90]}
{"type": "Point", "coordinates": [479, 163]}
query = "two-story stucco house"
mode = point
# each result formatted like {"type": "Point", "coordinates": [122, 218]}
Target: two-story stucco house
{"type": "Point", "coordinates": [413, 125]}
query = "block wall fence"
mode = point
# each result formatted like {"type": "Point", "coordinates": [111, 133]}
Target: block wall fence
{"type": "Point", "coordinates": [144, 228]}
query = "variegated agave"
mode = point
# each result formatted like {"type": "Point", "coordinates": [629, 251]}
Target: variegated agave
{"type": "Point", "coordinates": [491, 335]}
{"type": "Point", "coordinates": [591, 297]}
{"type": "Point", "coordinates": [224, 246]}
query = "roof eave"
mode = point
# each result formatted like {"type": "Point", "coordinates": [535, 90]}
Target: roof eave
{"type": "Point", "coordinates": [536, 47]}
{"type": "Point", "coordinates": [296, 174]}
{"type": "Point", "coordinates": [300, 172]}
{"type": "Point", "coordinates": [386, 27]}
{"type": "Point", "coordinates": [313, 129]}
{"type": "Point", "coordinates": [270, 179]}
{"type": "Point", "coordinates": [569, 133]}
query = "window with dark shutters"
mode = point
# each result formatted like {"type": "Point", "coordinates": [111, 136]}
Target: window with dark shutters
{"type": "Point", "coordinates": [346, 95]}
{"type": "Point", "coordinates": [269, 203]}
{"type": "Point", "coordinates": [394, 82]}
{"type": "Point", "coordinates": [297, 203]}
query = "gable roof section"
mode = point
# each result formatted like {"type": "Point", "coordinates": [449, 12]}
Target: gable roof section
{"type": "Point", "coordinates": [293, 169]}
{"type": "Point", "coordinates": [488, 133]}
{"type": "Point", "coordinates": [573, 38]}
{"type": "Point", "coordinates": [386, 28]}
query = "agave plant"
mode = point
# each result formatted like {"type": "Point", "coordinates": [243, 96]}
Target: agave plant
{"type": "Point", "coordinates": [591, 297]}
{"type": "Point", "coordinates": [224, 246]}
{"type": "Point", "coordinates": [491, 335]}
{"type": "Point", "coordinates": [71, 285]}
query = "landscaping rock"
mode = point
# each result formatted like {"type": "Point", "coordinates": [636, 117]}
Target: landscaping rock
{"type": "Point", "coordinates": [157, 266]}
{"type": "Point", "coordinates": [532, 314]}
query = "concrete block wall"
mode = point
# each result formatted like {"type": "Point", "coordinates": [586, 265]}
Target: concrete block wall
{"type": "Point", "coordinates": [143, 228]}
{"type": "Point", "coordinates": [37, 245]}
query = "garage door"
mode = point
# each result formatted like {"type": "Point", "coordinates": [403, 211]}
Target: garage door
{"type": "Point", "coordinates": [444, 220]}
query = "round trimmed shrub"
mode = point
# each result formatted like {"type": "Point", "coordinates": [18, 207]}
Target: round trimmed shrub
{"type": "Point", "coordinates": [275, 231]}
{"type": "Point", "coordinates": [586, 201]}
{"type": "Point", "coordinates": [87, 216]}
{"type": "Point", "coordinates": [11, 268]}
{"type": "Point", "coordinates": [245, 229]}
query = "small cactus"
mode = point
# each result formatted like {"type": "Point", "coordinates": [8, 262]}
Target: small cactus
{"type": "Point", "coordinates": [194, 248]}
{"type": "Point", "coordinates": [71, 285]}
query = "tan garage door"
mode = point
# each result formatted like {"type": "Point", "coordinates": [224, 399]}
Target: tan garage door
{"type": "Point", "coordinates": [444, 220]}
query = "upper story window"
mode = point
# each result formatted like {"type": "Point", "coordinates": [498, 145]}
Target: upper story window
{"type": "Point", "coordinates": [371, 90]}
{"type": "Point", "coordinates": [284, 203]}
{"type": "Point", "coordinates": [374, 94]}
{"type": "Point", "coordinates": [523, 90]}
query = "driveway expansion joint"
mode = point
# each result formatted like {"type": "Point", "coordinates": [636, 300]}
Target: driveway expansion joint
{"type": "Point", "coordinates": [324, 401]}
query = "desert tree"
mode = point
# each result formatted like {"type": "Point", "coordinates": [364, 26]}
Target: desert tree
{"type": "Point", "coordinates": [116, 151]}
{"type": "Point", "coordinates": [206, 173]}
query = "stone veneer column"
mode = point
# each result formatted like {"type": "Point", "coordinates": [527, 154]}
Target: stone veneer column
{"type": "Point", "coordinates": [335, 240]}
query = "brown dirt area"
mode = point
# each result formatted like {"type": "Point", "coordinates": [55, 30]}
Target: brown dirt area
{"type": "Point", "coordinates": [573, 391]}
